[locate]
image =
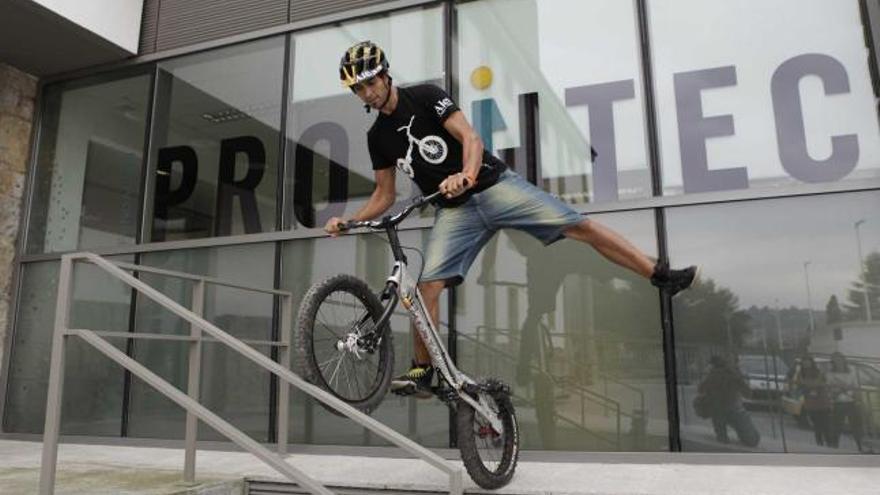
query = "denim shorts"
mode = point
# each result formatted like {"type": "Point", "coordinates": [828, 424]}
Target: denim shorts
{"type": "Point", "coordinates": [460, 233]}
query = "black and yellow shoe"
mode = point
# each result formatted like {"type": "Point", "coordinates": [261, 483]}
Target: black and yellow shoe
{"type": "Point", "coordinates": [416, 381]}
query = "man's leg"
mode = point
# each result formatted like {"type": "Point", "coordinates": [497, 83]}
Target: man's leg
{"type": "Point", "coordinates": [612, 246]}
{"type": "Point", "coordinates": [615, 248]}
{"type": "Point", "coordinates": [417, 380]}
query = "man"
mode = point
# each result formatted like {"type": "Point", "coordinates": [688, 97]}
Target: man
{"type": "Point", "coordinates": [422, 132]}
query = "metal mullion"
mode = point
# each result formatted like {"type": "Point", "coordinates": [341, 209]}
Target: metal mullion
{"type": "Point", "coordinates": [30, 182]}
{"type": "Point", "coordinates": [149, 180]}
{"type": "Point", "coordinates": [129, 351]}
{"type": "Point", "coordinates": [146, 178]}
{"type": "Point", "coordinates": [654, 160]}
{"type": "Point", "coordinates": [450, 58]}
{"type": "Point", "coordinates": [272, 431]}
{"type": "Point", "coordinates": [276, 394]}
{"type": "Point", "coordinates": [870, 11]}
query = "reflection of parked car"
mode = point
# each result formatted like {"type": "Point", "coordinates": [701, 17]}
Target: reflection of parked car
{"type": "Point", "coordinates": [766, 377]}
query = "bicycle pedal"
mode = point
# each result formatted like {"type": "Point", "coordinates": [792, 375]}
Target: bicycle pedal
{"type": "Point", "coordinates": [412, 390]}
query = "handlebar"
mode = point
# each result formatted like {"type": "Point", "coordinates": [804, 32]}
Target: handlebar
{"type": "Point", "coordinates": [393, 220]}
{"type": "Point", "coordinates": [388, 221]}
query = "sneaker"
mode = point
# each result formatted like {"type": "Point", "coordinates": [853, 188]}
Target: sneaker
{"type": "Point", "coordinates": [416, 381]}
{"type": "Point", "coordinates": [673, 281]}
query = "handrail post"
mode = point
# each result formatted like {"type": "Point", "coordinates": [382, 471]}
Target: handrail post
{"type": "Point", "coordinates": [194, 383]}
{"type": "Point", "coordinates": [52, 426]}
{"type": "Point", "coordinates": [284, 358]}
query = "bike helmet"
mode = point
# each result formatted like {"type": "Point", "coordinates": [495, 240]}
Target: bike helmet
{"type": "Point", "coordinates": [363, 61]}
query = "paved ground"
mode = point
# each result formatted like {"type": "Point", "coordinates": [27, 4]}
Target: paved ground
{"type": "Point", "coordinates": [124, 470]}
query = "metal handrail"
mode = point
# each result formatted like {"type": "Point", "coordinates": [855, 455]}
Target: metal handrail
{"type": "Point", "coordinates": [189, 401]}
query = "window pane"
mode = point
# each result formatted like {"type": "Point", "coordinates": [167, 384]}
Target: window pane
{"type": "Point", "coordinates": [216, 135]}
{"type": "Point", "coordinates": [577, 338]}
{"type": "Point", "coordinates": [554, 88]}
{"type": "Point", "coordinates": [782, 280]}
{"type": "Point", "coordinates": [369, 258]}
{"type": "Point", "coordinates": [90, 154]}
{"type": "Point", "coordinates": [330, 173]}
{"type": "Point", "coordinates": [92, 403]}
{"type": "Point", "coordinates": [231, 385]}
{"type": "Point", "coordinates": [778, 95]}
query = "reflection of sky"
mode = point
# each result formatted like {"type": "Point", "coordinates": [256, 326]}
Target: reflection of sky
{"type": "Point", "coordinates": [590, 42]}
{"type": "Point", "coordinates": [758, 249]}
{"type": "Point", "coordinates": [690, 35]}
{"type": "Point", "coordinates": [412, 40]}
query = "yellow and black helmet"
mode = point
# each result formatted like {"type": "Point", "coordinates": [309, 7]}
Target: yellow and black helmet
{"type": "Point", "coordinates": [364, 60]}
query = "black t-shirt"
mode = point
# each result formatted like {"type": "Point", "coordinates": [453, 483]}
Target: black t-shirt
{"type": "Point", "coordinates": [421, 111]}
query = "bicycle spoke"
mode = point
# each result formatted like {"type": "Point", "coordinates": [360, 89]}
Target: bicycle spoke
{"type": "Point", "coordinates": [350, 373]}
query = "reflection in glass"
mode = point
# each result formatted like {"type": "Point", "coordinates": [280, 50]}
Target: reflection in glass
{"type": "Point", "coordinates": [330, 172]}
{"type": "Point", "coordinates": [92, 400]}
{"type": "Point", "coordinates": [783, 288]}
{"type": "Point", "coordinates": [576, 336]}
{"type": "Point", "coordinates": [554, 90]}
{"type": "Point", "coordinates": [770, 100]}
{"type": "Point", "coordinates": [231, 385]}
{"type": "Point", "coordinates": [216, 135]}
{"type": "Point", "coordinates": [89, 155]}
{"type": "Point", "coordinates": [368, 257]}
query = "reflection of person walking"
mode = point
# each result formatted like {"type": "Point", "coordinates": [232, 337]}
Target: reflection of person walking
{"type": "Point", "coordinates": [723, 388]}
{"type": "Point", "coordinates": [817, 404]}
{"type": "Point", "coordinates": [843, 384]}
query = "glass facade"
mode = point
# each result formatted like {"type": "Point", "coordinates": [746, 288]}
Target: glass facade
{"type": "Point", "coordinates": [90, 154]}
{"type": "Point", "coordinates": [747, 143]}
{"type": "Point", "coordinates": [231, 385]}
{"type": "Point", "coordinates": [782, 281]}
{"type": "Point", "coordinates": [216, 140]}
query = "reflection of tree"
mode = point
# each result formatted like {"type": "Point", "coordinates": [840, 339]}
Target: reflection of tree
{"type": "Point", "coordinates": [870, 278]}
{"type": "Point", "coordinates": [710, 314]}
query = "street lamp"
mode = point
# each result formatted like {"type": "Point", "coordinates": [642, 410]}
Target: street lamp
{"type": "Point", "coordinates": [809, 299]}
{"type": "Point", "coordinates": [862, 269]}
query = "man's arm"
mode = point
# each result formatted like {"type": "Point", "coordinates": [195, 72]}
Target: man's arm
{"type": "Point", "coordinates": [382, 198]}
{"type": "Point", "coordinates": [472, 155]}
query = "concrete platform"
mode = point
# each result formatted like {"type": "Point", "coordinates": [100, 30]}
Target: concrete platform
{"type": "Point", "coordinates": [127, 470]}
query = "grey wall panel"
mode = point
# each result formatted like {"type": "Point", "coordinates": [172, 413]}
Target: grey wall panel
{"type": "Point", "coordinates": [306, 9]}
{"type": "Point", "coordinates": [169, 24]}
{"type": "Point", "coordinates": [149, 25]}
{"type": "Point", "coordinates": [186, 22]}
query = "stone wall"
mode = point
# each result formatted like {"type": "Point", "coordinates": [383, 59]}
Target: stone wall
{"type": "Point", "coordinates": [17, 97]}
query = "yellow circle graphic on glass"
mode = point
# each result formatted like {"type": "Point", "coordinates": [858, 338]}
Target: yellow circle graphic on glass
{"type": "Point", "coordinates": [481, 77]}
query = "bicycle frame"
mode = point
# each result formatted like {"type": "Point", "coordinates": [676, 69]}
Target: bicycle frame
{"type": "Point", "coordinates": [408, 294]}
{"type": "Point", "coordinates": [400, 287]}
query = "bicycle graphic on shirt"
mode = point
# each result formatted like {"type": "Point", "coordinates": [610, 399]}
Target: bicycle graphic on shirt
{"type": "Point", "coordinates": [432, 148]}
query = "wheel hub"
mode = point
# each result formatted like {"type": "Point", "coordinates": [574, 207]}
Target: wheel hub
{"type": "Point", "coordinates": [349, 344]}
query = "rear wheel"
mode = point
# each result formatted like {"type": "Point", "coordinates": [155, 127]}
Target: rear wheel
{"type": "Point", "coordinates": [335, 350]}
{"type": "Point", "coordinates": [489, 455]}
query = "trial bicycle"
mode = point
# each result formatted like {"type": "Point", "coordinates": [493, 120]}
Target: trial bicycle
{"type": "Point", "coordinates": [344, 345]}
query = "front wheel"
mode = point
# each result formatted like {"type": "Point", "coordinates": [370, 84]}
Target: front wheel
{"type": "Point", "coordinates": [339, 349]}
{"type": "Point", "coordinates": [488, 455]}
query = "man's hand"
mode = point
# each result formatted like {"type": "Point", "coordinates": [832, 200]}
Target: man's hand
{"type": "Point", "coordinates": [332, 226]}
{"type": "Point", "coordinates": [455, 185]}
